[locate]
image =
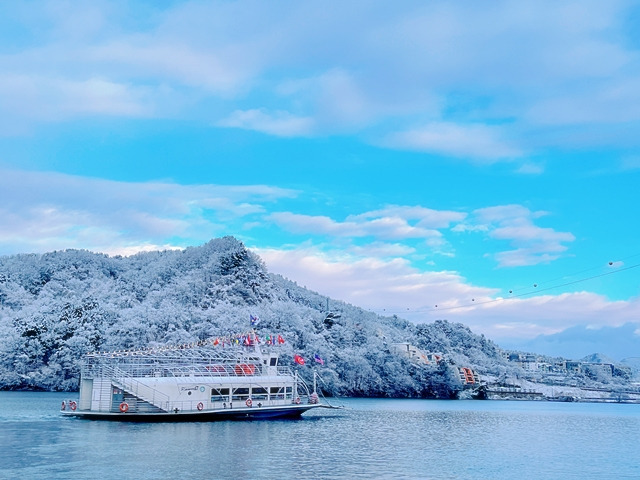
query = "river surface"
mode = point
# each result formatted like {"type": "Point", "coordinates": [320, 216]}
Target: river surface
{"type": "Point", "coordinates": [368, 439]}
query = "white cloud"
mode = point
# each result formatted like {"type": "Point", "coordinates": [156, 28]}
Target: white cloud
{"type": "Point", "coordinates": [46, 211]}
{"type": "Point", "coordinates": [475, 142]}
{"type": "Point", "coordinates": [426, 217]}
{"type": "Point", "coordinates": [393, 287]}
{"type": "Point", "coordinates": [174, 61]}
{"type": "Point", "coordinates": [31, 97]}
{"type": "Point", "coordinates": [616, 101]}
{"type": "Point", "coordinates": [396, 228]}
{"type": "Point", "coordinates": [335, 96]}
{"type": "Point", "coordinates": [382, 250]}
{"type": "Point", "coordinates": [529, 168]}
{"type": "Point", "coordinates": [532, 244]}
{"type": "Point", "coordinates": [299, 223]}
{"type": "Point", "coordinates": [514, 223]}
{"type": "Point", "coordinates": [373, 224]}
{"type": "Point", "coordinates": [502, 213]}
{"type": "Point", "coordinates": [389, 223]}
{"type": "Point", "coordinates": [548, 314]}
{"type": "Point", "coordinates": [467, 227]}
{"type": "Point", "coordinates": [475, 79]}
{"type": "Point", "coordinates": [346, 100]}
{"type": "Point", "coordinates": [281, 124]}
{"type": "Point", "coordinates": [369, 282]}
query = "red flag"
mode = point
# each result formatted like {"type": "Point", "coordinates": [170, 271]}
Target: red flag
{"type": "Point", "coordinates": [280, 339]}
{"type": "Point", "coordinates": [298, 359]}
{"type": "Point", "coordinates": [216, 342]}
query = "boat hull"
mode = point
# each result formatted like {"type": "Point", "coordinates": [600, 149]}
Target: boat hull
{"type": "Point", "coordinates": [248, 413]}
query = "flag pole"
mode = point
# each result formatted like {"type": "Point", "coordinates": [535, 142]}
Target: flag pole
{"type": "Point", "coordinates": [314, 380]}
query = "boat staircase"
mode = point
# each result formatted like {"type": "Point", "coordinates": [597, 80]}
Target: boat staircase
{"type": "Point", "coordinates": [138, 396]}
{"type": "Point", "coordinates": [104, 395]}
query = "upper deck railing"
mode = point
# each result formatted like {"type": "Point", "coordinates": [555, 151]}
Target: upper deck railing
{"type": "Point", "coordinates": [189, 362]}
{"type": "Point", "coordinates": [142, 369]}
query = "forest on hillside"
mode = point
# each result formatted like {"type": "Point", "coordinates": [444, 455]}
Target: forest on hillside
{"type": "Point", "coordinates": [58, 306]}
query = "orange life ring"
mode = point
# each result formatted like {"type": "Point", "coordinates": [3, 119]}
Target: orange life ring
{"type": "Point", "coordinates": [200, 406]}
{"type": "Point", "coordinates": [124, 407]}
{"type": "Point", "coordinates": [249, 402]}
{"type": "Point", "coordinates": [64, 405]}
{"type": "Point", "coordinates": [73, 405]}
{"type": "Point", "coordinates": [298, 401]}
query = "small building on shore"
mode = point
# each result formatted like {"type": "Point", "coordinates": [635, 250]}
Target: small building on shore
{"type": "Point", "coordinates": [415, 354]}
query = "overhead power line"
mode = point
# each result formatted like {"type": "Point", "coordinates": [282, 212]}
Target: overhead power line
{"type": "Point", "coordinates": [532, 290]}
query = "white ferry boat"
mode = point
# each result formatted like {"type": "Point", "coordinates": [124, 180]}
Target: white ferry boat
{"type": "Point", "coordinates": [190, 383]}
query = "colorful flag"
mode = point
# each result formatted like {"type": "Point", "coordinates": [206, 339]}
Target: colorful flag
{"type": "Point", "coordinates": [254, 320]}
{"type": "Point", "coordinates": [280, 339]}
{"type": "Point", "coordinates": [298, 359]}
{"type": "Point", "coordinates": [318, 359]}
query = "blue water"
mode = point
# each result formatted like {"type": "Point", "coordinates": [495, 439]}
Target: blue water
{"type": "Point", "coordinates": [399, 439]}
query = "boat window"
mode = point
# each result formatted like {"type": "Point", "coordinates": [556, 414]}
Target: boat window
{"type": "Point", "coordinates": [219, 394]}
{"type": "Point", "coordinates": [289, 392]}
{"type": "Point", "coordinates": [273, 361]}
{"type": "Point", "coordinates": [277, 393]}
{"type": "Point", "coordinates": [259, 393]}
{"type": "Point", "coordinates": [240, 393]}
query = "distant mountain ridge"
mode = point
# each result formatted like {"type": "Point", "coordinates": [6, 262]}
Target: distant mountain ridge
{"type": "Point", "coordinates": [577, 341]}
{"type": "Point", "coordinates": [597, 358]}
{"type": "Point", "coordinates": [56, 307]}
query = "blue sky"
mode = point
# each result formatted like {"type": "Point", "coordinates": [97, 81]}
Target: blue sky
{"type": "Point", "coordinates": [397, 157]}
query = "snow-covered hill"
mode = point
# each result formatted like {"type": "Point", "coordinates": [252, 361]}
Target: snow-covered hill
{"type": "Point", "coordinates": [56, 307]}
